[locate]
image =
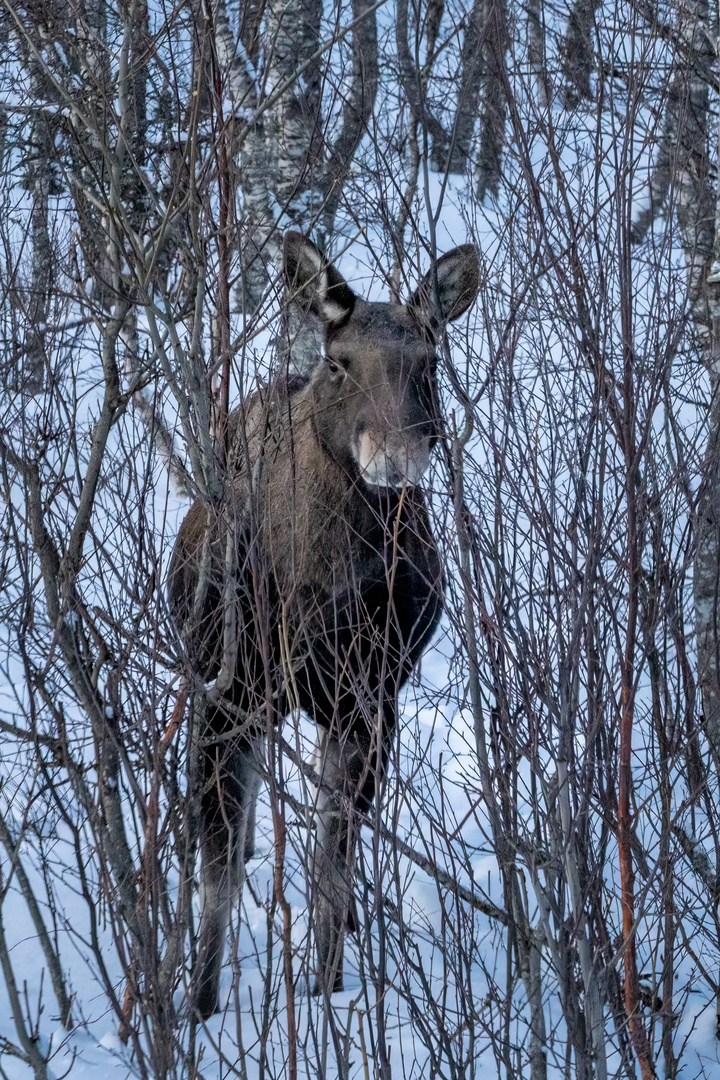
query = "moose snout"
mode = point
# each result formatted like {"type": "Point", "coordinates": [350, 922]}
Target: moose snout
{"type": "Point", "coordinates": [391, 460]}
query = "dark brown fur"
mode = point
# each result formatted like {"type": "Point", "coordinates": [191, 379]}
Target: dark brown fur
{"type": "Point", "coordinates": [337, 581]}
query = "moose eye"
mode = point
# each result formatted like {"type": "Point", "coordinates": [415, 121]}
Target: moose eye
{"type": "Point", "coordinates": [332, 365]}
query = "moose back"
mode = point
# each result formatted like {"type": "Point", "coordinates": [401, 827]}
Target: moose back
{"type": "Point", "coordinates": [316, 583]}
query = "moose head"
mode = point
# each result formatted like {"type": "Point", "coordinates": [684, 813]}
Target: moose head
{"type": "Point", "coordinates": [375, 390]}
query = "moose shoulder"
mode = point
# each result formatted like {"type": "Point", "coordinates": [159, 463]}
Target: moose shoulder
{"type": "Point", "coordinates": [317, 583]}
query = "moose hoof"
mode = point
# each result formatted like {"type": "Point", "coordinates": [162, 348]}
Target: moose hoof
{"type": "Point", "coordinates": [352, 923]}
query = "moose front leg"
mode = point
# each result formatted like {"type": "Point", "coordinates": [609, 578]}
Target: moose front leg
{"type": "Point", "coordinates": [350, 769]}
{"type": "Point", "coordinates": [227, 841]}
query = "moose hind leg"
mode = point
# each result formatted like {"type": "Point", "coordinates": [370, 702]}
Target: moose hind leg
{"type": "Point", "coordinates": [345, 783]}
{"type": "Point", "coordinates": [228, 803]}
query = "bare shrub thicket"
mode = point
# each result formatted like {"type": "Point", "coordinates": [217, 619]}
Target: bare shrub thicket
{"type": "Point", "coordinates": [539, 885]}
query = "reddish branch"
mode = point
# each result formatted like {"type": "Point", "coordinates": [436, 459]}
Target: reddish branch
{"type": "Point", "coordinates": [161, 750]}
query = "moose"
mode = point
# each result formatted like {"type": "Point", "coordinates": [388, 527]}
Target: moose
{"type": "Point", "coordinates": [317, 583]}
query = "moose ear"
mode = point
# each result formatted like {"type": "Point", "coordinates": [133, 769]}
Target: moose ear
{"type": "Point", "coordinates": [314, 282]}
{"type": "Point", "coordinates": [458, 281]}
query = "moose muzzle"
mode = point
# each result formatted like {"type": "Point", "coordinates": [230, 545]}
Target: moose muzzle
{"type": "Point", "coordinates": [390, 460]}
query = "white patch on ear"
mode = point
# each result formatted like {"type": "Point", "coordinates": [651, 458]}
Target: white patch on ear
{"type": "Point", "coordinates": [313, 257]}
{"type": "Point", "coordinates": [331, 311]}
{"type": "Point", "coordinates": [315, 283]}
{"type": "Point", "coordinates": [457, 276]}
{"type": "Point", "coordinates": [327, 309]}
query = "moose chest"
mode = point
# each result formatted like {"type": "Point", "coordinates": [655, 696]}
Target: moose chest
{"type": "Point", "coordinates": [357, 568]}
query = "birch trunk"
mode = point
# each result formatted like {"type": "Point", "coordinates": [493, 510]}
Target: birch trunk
{"type": "Point", "coordinates": [684, 158]}
{"type": "Point", "coordinates": [697, 212]}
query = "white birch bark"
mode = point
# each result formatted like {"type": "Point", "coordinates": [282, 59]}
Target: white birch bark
{"type": "Point", "coordinates": [289, 177]}
{"type": "Point", "coordinates": [578, 58]}
{"type": "Point", "coordinates": [696, 212]}
{"type": "Point", "coordinates": [683, 163]}
{"type": "Point", "coordinates": [281, 159]}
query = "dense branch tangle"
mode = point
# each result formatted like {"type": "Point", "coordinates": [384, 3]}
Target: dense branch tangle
{"type": "Point", "coordinates": [152, 160]}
